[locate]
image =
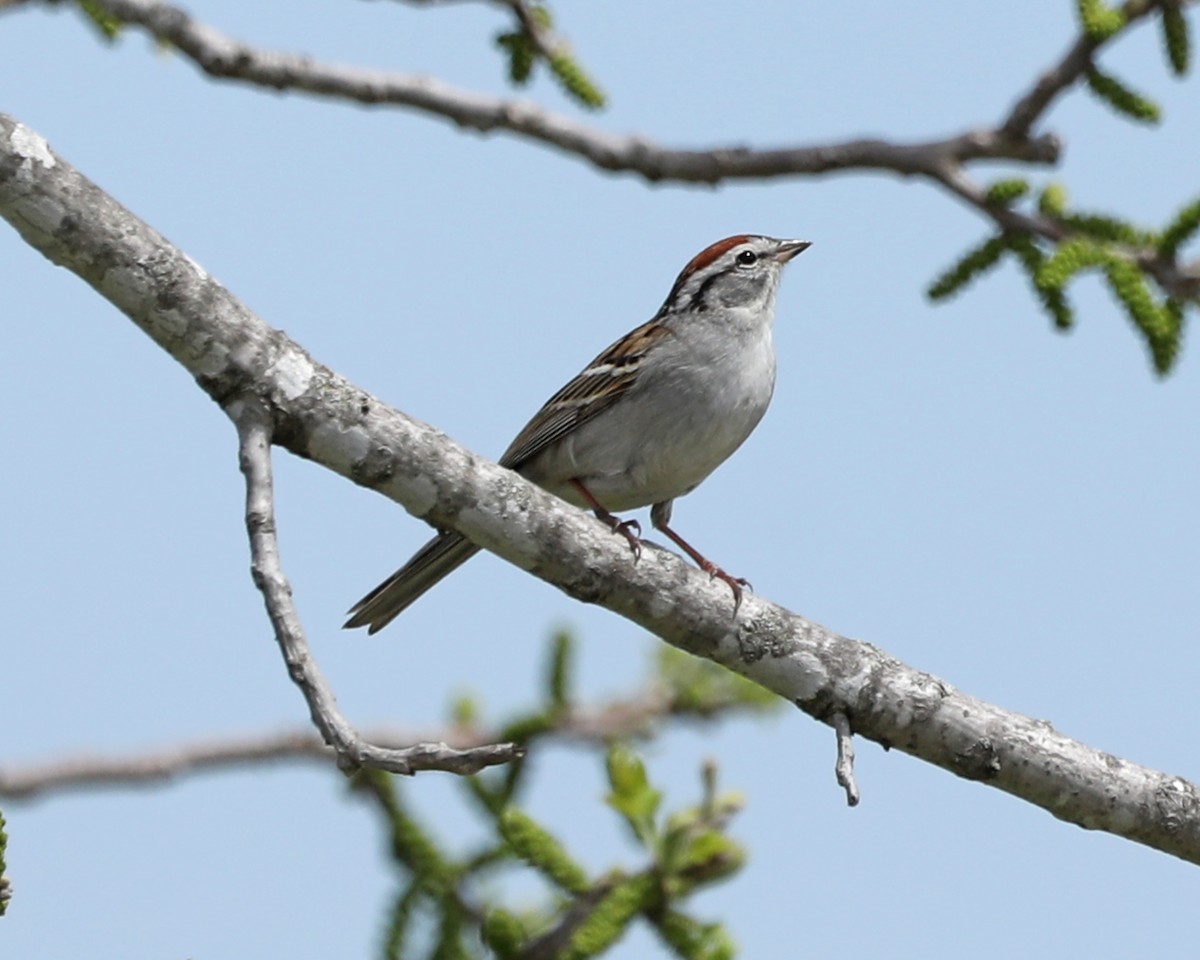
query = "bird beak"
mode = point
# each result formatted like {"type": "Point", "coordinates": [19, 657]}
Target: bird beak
{"type": "Point", "coordinates": [791, 248]}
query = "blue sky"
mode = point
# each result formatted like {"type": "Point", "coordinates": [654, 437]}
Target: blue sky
{"type": "Point", "coordinates": [1011, 509]}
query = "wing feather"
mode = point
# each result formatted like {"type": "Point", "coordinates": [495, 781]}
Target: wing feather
{"type": "Point", "coordinates": [596, 388]}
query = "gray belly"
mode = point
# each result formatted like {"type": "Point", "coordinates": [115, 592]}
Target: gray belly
{"type": "Point", "coordinates": [662, 441]}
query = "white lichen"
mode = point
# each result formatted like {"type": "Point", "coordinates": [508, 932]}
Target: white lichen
{"type": "Point", "coordinates": [32, 147]}
{"type": "Point", "coordinates": [330, 444]}
{"type": "Point", "coordinates": [292, 373]}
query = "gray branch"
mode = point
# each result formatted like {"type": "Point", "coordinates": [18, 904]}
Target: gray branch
{"type": "Point", "coordinates": [253, 421]}
{"type": "Point", "coordinates": [223, 57]}
{"type": "Point", "coordinates": [319, 415]}
{"type": "Point", "coordinates": [163, 766]}
{"type": "Point", "coordinates": [636, 716]}
{"type": "Point", "coordinates": [629, 717]}
{"type": "Point", "coordinates": [844, 769]}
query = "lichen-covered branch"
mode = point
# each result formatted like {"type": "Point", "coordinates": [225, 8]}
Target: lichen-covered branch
{"type": "Point", "coordinates": [317, 414]}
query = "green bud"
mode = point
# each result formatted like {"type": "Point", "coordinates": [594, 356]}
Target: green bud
{"type": "Point", "coordinates": [576, 82]}
{"type": "Point", "coordinates": [1100, 21]}
{"type": "Point", "coordinates": [1053, 201]}
{"type": "Point", "coordinates": [1180, 230]}
{"type": "Point", "coordinates": [1175, 38]}
{"type": "Point", "coordinates": [537, 847]}
{"type": "Point", "coordinates": [1053, 299]}
{"type": "Point", "coordinates": [1003, 192]}
{"type": "Point", "coordinates": [504, 933]}
{"type": "Point", "coordinates": [974, 263]}
{"type": "Point", "coordinates": [1121, 98]}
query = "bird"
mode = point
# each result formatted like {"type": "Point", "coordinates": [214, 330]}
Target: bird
{"type": "Point", "coordinates": [647, 420]}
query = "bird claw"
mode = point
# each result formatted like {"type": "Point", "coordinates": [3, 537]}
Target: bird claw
{"type": "Point", "coordinates": [631, 530]}
{"type": "Point", "coordinates": [735, 583]}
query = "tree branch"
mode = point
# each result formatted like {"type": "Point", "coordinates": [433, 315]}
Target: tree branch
{"type": "Point", "coordinates": [633, 717]}
{"type": "Point", "coordinates": [1179, 280]}
{"type": "Point", "coordinates": [223, 57]}
{"type": "Point", "coordinates": [318, 415]}
{"type": "Point", "coordinates": [1065, 74]}
{"type": "Point", "coordinates": [158, 767]}
{"type": "Point", "coordinates": [162, 766]}
{"type": "Point", "coordinates": [254, 443]}
{"type": "Point", "coordinates": [941, 162]}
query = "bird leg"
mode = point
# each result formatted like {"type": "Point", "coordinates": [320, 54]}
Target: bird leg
{"type": "Point", "coordinates": [631, 530]}
{"type": "Point", "coordinates": [659, 517]}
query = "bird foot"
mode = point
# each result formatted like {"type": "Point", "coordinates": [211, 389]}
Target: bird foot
{"type": "Point", "coordinates": [735, 583]}
{"type": "Point", "coordinates": [631, 530]}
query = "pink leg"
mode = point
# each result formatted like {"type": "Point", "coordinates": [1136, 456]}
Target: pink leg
{"type": "Point", "coordinates": [659, 518]}
{"type": "Point", "coordinates": [631, 530]}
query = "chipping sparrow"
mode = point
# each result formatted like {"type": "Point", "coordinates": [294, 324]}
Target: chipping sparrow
{"type": "Point", "coordinates": [648, 419]}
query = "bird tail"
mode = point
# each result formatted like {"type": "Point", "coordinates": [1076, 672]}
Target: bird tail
{"type": "Point", "coordinates": [438, 558]}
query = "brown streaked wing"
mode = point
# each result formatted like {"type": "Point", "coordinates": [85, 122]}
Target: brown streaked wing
{"type": "Point", "coordinates": [585, 395]}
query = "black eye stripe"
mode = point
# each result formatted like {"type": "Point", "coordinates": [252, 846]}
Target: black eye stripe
{"type": "Point", "coordinates": [747, 257]}
{"type": "Point", "coordinates": [698, 301]}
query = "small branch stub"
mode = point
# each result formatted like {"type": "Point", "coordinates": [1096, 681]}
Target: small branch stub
{"type": "Point", "coordinates": [845, 758]}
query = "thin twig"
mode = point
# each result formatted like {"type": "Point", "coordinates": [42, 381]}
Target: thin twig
{"type": "Point", "coordinates": [223, 57]}
{"type": "Point", "coordinates": [940, 161]}
{"type": "Point", "coordinates": [156, 767]}
{"type": "Point", "coordinates": [254, 437]}
{"type": "Point", "coordinates": [629, 717]}
{"type": "Point", "coordinates": [545, 41]}
{"type": "Point", "coordinates": [1177, 279]}
{"type": "Point", "coordinates": [552, 943]}
{"type": "Point", "coordinates": [1063, 75]}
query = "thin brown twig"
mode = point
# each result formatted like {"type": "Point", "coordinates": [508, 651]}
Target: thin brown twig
{"type": "Point", "coordinates": [1178, 279]}
{"type": "Point", "coordinates": [631, 717]}
{"type": "Point", "coordinates": [223, 57]}
{"type": "Point", "coordinates": [547, 43]}
{"type": "Point", "coordinates": [1065, 74]}
{"type": "Point", "coordinates": [942, 162]}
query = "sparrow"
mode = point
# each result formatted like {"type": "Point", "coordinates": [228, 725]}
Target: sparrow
{"type": "Point", "coordinates": [647, 420]}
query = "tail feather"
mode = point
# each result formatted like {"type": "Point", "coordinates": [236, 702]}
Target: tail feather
{"type": "Point", "coordinates": [438, 558]}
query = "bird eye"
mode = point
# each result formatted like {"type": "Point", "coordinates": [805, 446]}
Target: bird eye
{"type": "Point", "coordinates": [747, 257]}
